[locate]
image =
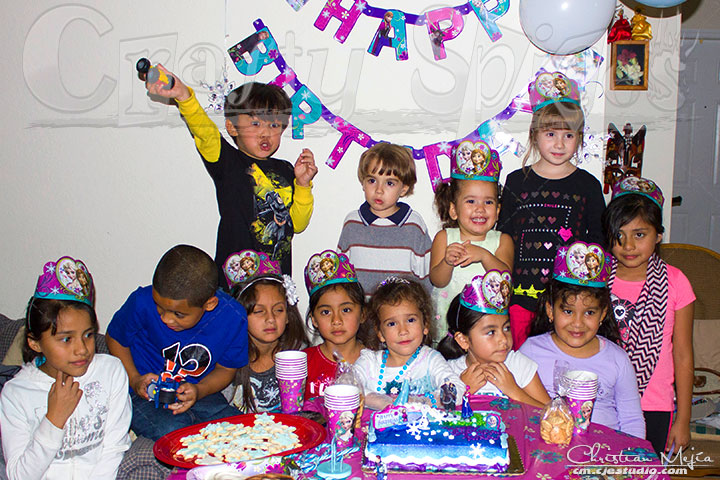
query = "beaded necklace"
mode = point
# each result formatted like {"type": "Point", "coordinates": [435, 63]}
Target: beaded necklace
{"type": "Point", "coordinates": [386, 353]}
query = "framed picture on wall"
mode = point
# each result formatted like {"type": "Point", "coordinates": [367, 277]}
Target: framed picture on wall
{"type": "Point", "coordinates": [629, 65]}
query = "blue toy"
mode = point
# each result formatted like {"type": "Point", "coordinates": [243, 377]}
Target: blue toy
{"type": "Point", "coordinates": [163, 392]}
{"type": "Point", "coordinates": [467, 410]}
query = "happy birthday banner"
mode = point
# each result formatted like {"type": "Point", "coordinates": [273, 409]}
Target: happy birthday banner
{"type": "Point", "coordinates": [250, 61]}
{"type": "Point", "coordinates": [393, 20]}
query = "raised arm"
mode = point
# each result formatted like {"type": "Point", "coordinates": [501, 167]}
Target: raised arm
{"type": "Point", "coordinates": [203, 130]}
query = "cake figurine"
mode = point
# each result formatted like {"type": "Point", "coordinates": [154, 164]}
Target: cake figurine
{"type": "Point", "coordinates": [404, 394]}
{"type": "Point", "coordinates": [467, 410]}
{"type": "Point", "coordinates": [381, 471]}
{"type": "Point", "coordinates": [448, 395]}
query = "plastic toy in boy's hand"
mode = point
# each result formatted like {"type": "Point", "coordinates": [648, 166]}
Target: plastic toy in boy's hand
{"type": "Point", "coordinates": [163, 392]}
{"type": "Point", "coordinates": [152, 74]}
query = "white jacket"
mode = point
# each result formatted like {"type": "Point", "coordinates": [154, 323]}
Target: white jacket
{"type": "Point", "coordinates": [95, 436]}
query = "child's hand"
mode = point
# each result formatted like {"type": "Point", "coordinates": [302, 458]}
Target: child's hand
{"type": "Point", "coordinates": [305, 168]}
{"type": "Point", "coordinates": [499, 375]}
{"type": "Point", "coordinates": [473, 254]}
{"type": "Point", "coordinates": [454, 252]}
{"type": "Point", "coordinates": [179, 92]}
{"type": "Point", "coordinates": [679, 435]}
{"type": "Point", "coordinates": [187, 395]}
{"type": "Point", "coordinates": [378, 401]}
{"type": "Point", "coordinates": [140, 383]}
{"type": "Point", "coordinates": [63, 397]}
{"type": "Point", "coordinates": [474, 377]}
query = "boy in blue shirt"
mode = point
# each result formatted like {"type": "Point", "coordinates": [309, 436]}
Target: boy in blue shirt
{"type": "Point", "coordinates": [181, 328]}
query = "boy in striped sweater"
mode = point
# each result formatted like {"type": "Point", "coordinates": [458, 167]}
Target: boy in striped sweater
{"type": "Point", "coordinates": [384, 236]}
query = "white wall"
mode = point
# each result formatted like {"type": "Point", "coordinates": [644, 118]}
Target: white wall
{"type": "Point", "coordinates": [116, 181]}
{"type": "Point", "coordinates": [656, 108]}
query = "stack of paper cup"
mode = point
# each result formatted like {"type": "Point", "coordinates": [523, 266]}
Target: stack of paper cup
{"type": "Point", "coordinates": [582, 391]}
{"type": "Point", "coordinates": [291, 372]}
{"type": "Point", "coordinates": [342, 402]}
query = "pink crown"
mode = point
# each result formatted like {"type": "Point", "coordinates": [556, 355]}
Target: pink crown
{"type": "Point", "coordinates": [243, 266]}
{"type": "Point", "coordinates": [475, 160]}
{"type": "Point", "coordinates": [641, 186]}
{"type": "Point", "coordinates": [552, 87]}
{"type": "Point", "coordinates": [489, 293]}
{"type": "Point", "coordinates": [66, 279]}
{"type": "Point", "coordinates": [326, 268]}
{"type": "Point", "coordinates": [582, 264]}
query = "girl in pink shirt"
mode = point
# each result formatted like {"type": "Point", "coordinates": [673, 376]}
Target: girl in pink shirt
{"type": "Point", "coordinates": [653, 304]}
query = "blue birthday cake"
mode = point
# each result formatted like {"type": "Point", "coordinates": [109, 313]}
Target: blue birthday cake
{"type": "Point", "coordinates": [421, 438]}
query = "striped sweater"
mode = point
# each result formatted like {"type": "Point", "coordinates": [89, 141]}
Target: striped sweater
{"type": "Point", "coordinates": [380, 247]}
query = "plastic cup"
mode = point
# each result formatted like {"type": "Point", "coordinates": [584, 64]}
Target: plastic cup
{"type": "Point", "coordinates": [342, 402]}
{"type": "Point", "coordinates": [292, 392]}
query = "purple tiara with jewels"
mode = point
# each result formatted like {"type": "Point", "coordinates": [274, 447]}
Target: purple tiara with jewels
{"type": "Point", "coordinates": [248, 264]}
{"type": "Point", "coordinates": [66, 279]}
{"type": "Point", "coordinates": [475, 160]}
{"type": "Point", "coordinates": [640, 186]}
{"type": "Point", "coordinates": [326, 268]}
{"type": "Point", "coordinates": [583, 264]}
{"type": "Point", "coordinates": [489, 293]}
{"type": "Point", "coordinates": [551, 87]}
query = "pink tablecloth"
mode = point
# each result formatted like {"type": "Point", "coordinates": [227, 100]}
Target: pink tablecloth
{"type": "Point", "coordinates": [621, 456]}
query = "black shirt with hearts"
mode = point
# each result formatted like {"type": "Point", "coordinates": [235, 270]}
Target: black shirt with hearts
{"type": "Point", "coordinates": [541, 214]}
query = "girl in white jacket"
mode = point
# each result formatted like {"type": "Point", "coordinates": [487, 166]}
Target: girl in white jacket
{"type": "Point", "coordinates": [66, 414]}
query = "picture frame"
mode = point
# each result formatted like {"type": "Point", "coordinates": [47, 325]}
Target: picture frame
{"type": "Point", "coordinates": [629, 65]}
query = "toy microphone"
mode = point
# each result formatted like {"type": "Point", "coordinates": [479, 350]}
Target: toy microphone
{"type": "Point", "coordinates": [152, 74]}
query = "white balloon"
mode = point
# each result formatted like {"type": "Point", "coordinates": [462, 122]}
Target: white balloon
{"type": "Point", "coordinates": [564, 27]}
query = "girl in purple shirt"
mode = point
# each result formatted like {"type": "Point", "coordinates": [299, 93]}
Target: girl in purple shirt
{"type": "Point", "coordinates": [574, 324]}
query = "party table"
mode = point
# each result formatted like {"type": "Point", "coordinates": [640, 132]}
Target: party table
{"type": "Point", "coordinates": [601, 453]}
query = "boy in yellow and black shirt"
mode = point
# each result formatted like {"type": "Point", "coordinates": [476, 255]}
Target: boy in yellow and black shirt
{"type": "Point", "coordinates": [262, 201]}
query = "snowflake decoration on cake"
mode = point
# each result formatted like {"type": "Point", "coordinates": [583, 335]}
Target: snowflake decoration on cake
{"type": "Point", "coordinates": [476, 451]}
{"type": "Point", "coordinates": [413, 429]}
{"type": "Point", "coordinates": [217, 93]}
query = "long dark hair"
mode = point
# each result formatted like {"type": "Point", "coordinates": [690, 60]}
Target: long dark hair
{"type": "Point", "coordinates": [293, 338]}
{"type": "Point", "coordinates": [559, 292]}
{"type": "Point", "coordinates": [459, 319]}
{"type": "Point", "coordinates": [42, 314]}
{"type": "Point", "coordinates": [623, 210]}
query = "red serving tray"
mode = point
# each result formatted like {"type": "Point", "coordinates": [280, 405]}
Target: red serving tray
{"type": "Point", "coordinates": [310, 433]}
